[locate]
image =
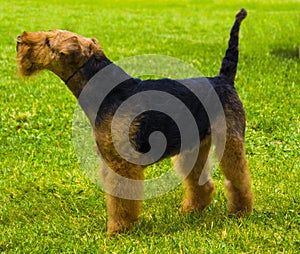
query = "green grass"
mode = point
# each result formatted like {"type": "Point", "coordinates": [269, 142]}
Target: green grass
{"type": "Point", "coordinates": [47, 205]}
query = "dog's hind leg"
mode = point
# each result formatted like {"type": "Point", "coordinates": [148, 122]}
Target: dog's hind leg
{"type": "Point", "coordinates": [198, 185]}
{"type": "Point", "coordinates": [238, 184]}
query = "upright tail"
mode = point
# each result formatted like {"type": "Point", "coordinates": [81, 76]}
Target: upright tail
{"type": "Point", "coordinates": [230, 61]}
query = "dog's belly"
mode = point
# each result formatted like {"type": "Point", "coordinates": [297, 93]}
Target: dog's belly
{"type": "Point", "coordinates": [154, 121]}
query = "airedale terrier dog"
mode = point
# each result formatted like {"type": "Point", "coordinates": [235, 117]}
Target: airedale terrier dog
{"type": "Point", "coordinates": [77, 60]}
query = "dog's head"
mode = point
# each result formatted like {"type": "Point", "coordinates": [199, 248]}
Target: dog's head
{"type": "Point", "coordinates": [61, 52]}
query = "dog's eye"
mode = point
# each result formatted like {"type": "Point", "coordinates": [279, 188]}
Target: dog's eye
{"type": "Point", "coordinates": [47, 43]}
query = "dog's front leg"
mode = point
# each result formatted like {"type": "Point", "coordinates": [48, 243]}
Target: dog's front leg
{"type": "Point", "coordinates": [123, 213]}
{"type": "Point", "coordinates": [123, 184]}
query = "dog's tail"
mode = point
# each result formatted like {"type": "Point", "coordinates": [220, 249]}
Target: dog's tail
{"type": "Point", "coordinates": [230, 61]}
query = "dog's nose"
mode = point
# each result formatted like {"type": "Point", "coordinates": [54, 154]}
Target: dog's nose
{"type": "Point", "coordinates": [18, 41]}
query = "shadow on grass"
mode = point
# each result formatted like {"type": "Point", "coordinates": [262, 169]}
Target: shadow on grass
{"type": "Point", "coordinates": [172, 222]}
{"type": "Point", "coordinates": [212, 220]}
{"type": "Point", "coordinates": [284, 54]}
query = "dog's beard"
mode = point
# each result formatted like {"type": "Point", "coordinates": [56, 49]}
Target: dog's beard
{"type": "Point", "coordinates": [29, 69]}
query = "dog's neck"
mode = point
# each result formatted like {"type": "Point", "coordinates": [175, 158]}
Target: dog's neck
{"type": "Point", "coordinates": [99, 82]}
{"type": "Point", "coordinates": [80, 77]}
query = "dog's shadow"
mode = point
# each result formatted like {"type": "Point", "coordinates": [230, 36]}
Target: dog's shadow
{"type": "Point", "coordinates": [172, 222]}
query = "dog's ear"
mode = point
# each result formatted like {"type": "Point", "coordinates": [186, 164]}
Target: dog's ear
{"type": "Point", "coordinates": [70, 46]}
{"type": "Point", "coordinates": [31, 38]}
{"type": "Point", "coordinates": [95, 48]}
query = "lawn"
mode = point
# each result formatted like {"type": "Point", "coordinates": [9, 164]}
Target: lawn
{"type": "Point", "coordinates": [48, 205]}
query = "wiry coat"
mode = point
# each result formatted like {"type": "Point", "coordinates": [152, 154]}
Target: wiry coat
{"type": "Point", "coordinates": [77, 60]}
